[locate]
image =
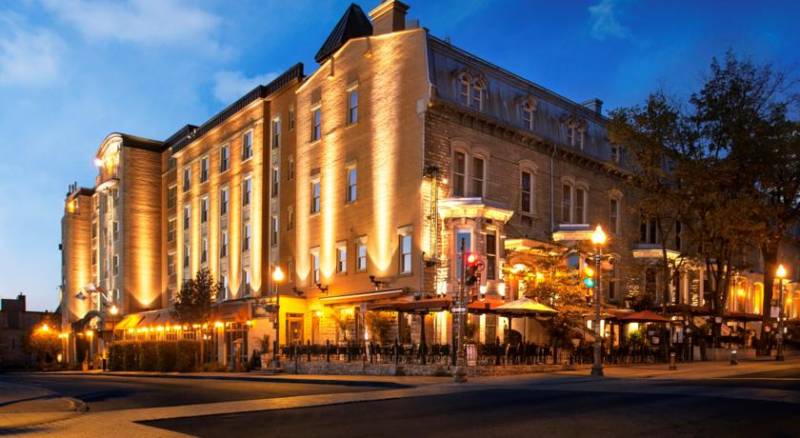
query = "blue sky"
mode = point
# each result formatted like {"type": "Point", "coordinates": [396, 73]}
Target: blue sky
{"type": "Point", "coordinates": [71, 71]}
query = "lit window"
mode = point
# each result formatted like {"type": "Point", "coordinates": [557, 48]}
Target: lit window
{"type": "Point", "coordinates": [316, 124]}
{"type": "Point", "coordinates": [276, 179]}
{"type": "Point", "coordinates": [315, 277]}
{"type": "Point", "coordinates": [246, 281]}
{"type": "Point", "coordinates": [204, 251]}
{"type": "Point", "coordinates": [352, 106]}
{"type": "Point", "coordinates": [291, 119]}
{"type": "Point", "coordinates": [204, 210]}
{"type": "Point", "coordinates": [341, 257]}
{"type": "Point", "coordinates": [613, 215]}
{"type": "Point", "coordinates": [580, 206]}
{"type": "Point", "coordinates": [172, 196]}
{"type": "Point", "coordinates": [247, 190]}
{"type": "Point", "coordinates": [204, 169]}
{"type": "Point", "coordinates": [246, 238]}
{"type": "Point", "coordinates": [315, 196]}
{"type": "Point", "coordinates": [274, 231]}
{"type": "Point", "coordinates": [290, 218]}
{"type": "Point", "coordinates": [223, 292]}
{"type": "Point", "coordinates": [491, 256]}
{"type": "Point", "coordinates": [187, 179]}
{"type": "Point", "coordinates": [247, 145]}
{"type": "Point", "coordinates": [276, 133]}
{"type": "Point", "coordinates": [566, 204]}
{"type": "Point", "coordinates": [405, 254]}
{"type": "Point", "coordinates": [171, 264]}
{"type": "Point", "coordinates": [171, 230]}
{"type": "Point", "coordinates": [526, 192]}
{"type": "Point", "coordinates": [478, 169]}
{"type": "Point", "coordinates": [223, 244]}
{"type": "Point", "coordinates": [352, 180]}
{"type": "Point", "coordinates": [459, 173]}
{"type": "Point", "coordinates": [224, 158]}
{"type": "Point", "coordinates": [223, 202]}
{"type": "Point", "coordinates": [361, 254]}
{"type": "Point", "coordinates": [187, 216]}
{"type": "Point", "coordinates": [463, 246]}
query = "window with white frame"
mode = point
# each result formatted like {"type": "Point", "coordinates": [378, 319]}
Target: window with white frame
{"type": "Point", "coordinates": [459, 173]}
{"type": "Point", "coordinates": [477, 96]}
{"type": "Point", "coordinates": [464, 89]}
{"type": "Point", "coordinates": [274, 229]}
{"type": "Point", "coordinates": [526, 191]}
{"type": "Point", "coordinates": [186, 254]}
{"type": "Point", "coordinates": [172, 196]}
{"type": "Point", "coordinates": [316, 123]}
{"type": "Point", "coordinates": [276, 132]}
{"type": "Point", "coordinates": [276, 180]}
{"type": "Point", "coordinates": [341, 257]}
{"type": "Point", "coordinates": [352, 181]}
{"type": "Point", "coordinates": [406, 248]}
{"type": "Point", "coordinates": [204, 169]}
{"type": "Point", "coordinates": [204, 250]}
{"type": "Point", "coordinates": [223, 244]}
{"type": "Point", "coordinates": [223, 292]}
{"type": "Point", "coordinates": [246, 237]}
{"type": "Point", "coordinates": [224, 158]}
{"type": "Point", "coordinates": [171, 264]}
{"type": "Point", "coordinates": [580, 205]}
{"type": "Point", "coordinates": [575, 135]}
{"type": "Point", "coordinates": [491, 255]}
{"type": "Point", "coordinates": [478, 177]}
{"type": "Point", "coordinates": [187, 216]}
{"type": "Point", "coordinates": [315, 274]}
{"type": "Point", "coordinates": [315, 196]}
{"type": "Point", "coordinates": [352, 105]}
{"type": "Point", "coordinates": [204, 210]}
{"type": "Point", "coordinates": [247, 190]}
{"type": "Point", "coordinates": [223, 201]}
{"type": "Point", "coordinates": [247, 145]}
{"type": "Point", "coordinates": [171, 230]}
{"type": "Point", "coordinates": [613, 215]}
{"type": "Point", "coordinates": [187, 178]}
{"type": "Point", "coordinates": [526, 114]}
{"type": "Point", "coordinates": [566, 203]}
{"type": "Point", "coordinates": [246, 281]}
{"type": "Point", "coordinates": [361, 254]}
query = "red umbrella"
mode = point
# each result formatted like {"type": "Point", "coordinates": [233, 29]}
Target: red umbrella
{"type": "Point", "coordinates": [643, 316]}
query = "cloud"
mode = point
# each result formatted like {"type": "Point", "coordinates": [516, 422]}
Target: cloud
{"type": "Point", "coordinates": [604, 21]}
{"type": "Point", "coordinates": [28, 56]}
{"type": "Point", "coordinates": [147, 22]}
{"type": "Point", "coordinates": [231, 85]}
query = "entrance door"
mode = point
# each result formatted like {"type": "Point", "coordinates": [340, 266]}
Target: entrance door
{"type": "Point", "coordinates": [294, 329]}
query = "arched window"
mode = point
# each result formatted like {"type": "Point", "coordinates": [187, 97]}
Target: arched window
{"type": "Point", "coordinates": [478, 88]}
{"type": "Point", "coordinates": [526, 110]}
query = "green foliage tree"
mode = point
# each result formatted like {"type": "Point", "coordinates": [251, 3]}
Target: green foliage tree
{"type": "Point", "coordinates": [193, 302]}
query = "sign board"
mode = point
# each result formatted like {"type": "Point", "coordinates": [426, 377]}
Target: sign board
{"type": "Point", "coordinates": [458, 309]}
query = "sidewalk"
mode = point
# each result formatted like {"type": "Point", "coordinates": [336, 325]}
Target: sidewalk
{"type": "Point", "coordinates": [25, 406]}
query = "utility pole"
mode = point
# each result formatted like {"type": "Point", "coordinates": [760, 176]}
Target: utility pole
{"type": "Point", "coordinates": [460, 372]}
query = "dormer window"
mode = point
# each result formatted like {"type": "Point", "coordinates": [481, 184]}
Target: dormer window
{"type": "Point", "coordinates": [575, 134]}
{"type": "Point", "coordinates": [526, 110]}
{"type": "Point", "coordinates": [471, 91]}
{"type": "Point", "coordinates": [477, 96]}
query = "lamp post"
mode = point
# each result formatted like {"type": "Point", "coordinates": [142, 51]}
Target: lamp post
{"type": "Point", "coordinates": [277, 277]}
{"type": "Point", "coordinates": [598, 240]}
{"type": "Point", "coordinates": [781, 274]}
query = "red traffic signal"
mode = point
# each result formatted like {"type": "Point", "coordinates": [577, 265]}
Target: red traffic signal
{"type": "Point", "coordinates": [471, 258]}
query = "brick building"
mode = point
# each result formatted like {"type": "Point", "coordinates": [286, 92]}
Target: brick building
{"type": "Point", "coordinates": [362, 181]}
{"type": "Point", "coordinates": [17, 323]}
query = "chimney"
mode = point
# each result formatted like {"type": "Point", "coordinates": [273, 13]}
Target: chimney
{"type": "Point", "coordinates": [389, 16]}
{"type": "Point", "coordinates": [595, 105]}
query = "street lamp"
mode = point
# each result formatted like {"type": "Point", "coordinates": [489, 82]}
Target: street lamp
{"type": "Point", "coordinates": [277, 277]}
{"type": "Point", "coordinates": [598, 240]}
{"type": "Point", "coordinates": [781, 274]}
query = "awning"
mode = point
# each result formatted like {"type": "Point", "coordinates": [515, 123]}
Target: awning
{"type": "Point", "coordinates": [525, 307]}
{"type": "Point", "coordinates": [234, 311]}
{"type": "Point", "coordinates": [363, 296]}
{"type": "Point", "coordinates": [422, 305]}
{"type": "Point", "coordinates": [486, 305]}
{"type": "Point", "coordinates": [129, 321]}
{"type": "Point", "coordinates": [643, 316]}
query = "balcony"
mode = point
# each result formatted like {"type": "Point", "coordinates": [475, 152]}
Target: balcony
{"type": "Point", "coordinates": [649, 251]}
{"type": "Point", "coordinates": [473, 208]}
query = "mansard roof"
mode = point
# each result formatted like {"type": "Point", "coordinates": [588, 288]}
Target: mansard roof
{"type": "Point", "coordinates": [353, 24]}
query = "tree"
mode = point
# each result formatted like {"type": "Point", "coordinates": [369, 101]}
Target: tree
{"type": "Point", "coordinates": [193, 302]}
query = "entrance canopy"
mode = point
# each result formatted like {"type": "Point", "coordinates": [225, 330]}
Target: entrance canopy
{"type": "Point", "coordinates": [525, 307]}
{"type": "Point", "coordinates": [422, 305]}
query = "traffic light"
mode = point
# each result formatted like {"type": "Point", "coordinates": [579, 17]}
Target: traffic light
{"type": "Point", "coordinates": [588, 279]}
{"type": "Point", "coordinates": [473, 268]}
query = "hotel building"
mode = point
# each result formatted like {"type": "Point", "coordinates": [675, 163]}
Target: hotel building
{"type": "Point", "coordinates": [362, 181]}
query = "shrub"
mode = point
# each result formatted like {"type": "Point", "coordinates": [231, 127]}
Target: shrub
{"type": "Point", "coordinates": [186, 357]}
{"type": "Point", "coordinates": [167, 354]}
{"type": "Point", "coordinates": [148, 356]}
{"type": "Point", "coordinates": [129, 360]}
{"type": "Point", "coordinates": [116, 358]}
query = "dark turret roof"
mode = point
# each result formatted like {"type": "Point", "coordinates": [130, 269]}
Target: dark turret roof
{"type": "Point", "coordinates": [353, 24]}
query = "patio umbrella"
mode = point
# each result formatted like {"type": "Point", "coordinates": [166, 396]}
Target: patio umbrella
{"type": "Point", "coordinates": [525, 307]}
{"type": "Point", "coordinates": [643, 316]}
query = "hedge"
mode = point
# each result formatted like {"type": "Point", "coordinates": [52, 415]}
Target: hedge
{"type": "Point", "coordinates": [154, 356]}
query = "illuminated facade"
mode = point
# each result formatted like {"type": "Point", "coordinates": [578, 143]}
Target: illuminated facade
{"type": "Point", "coordinates": [362, 181]}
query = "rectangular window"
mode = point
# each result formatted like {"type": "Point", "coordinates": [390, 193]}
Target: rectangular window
{"type": "Point", "coordinates": [615, 153]}
{"type": "Point", "coordinates": [566, 204]}
{"type": "Point", "coordinates": [580, 136]}
{"type": "Point", "coordinates": [223, 293]}
{"type": "Point", "coordinates": [290, 218]}
{"type": "Point", "coordinates": [405, 254]}
{"type": "Point", "coordinates": [204, 169]}
{"type": "Point", "coordinates": [459, 173]}
{"type": "Point", "coordinates": [204, 251]}
{"type": "Point", "coordinates": [361, 254]}
{"type": "Point", "coordinates": [463, 91]}
{"type": "Point", "coordinates": [247, 145]}
{"type": "Point", "coordinates": [648, 231]}
{"type": "Point", "coordinates": [580, 206]}
{"type": "Point", "coordinates": [477, 177]}
{"type": "Point", "coordinates": [527, 117]}
{"type": "Point", "coordinates": [224, 158]}
{"type": "Point", "coordinates": [276, 179]}
{"type": "Point", "coordinates": [291, 119]}
{"type": "Point", "coordinates": [115, 265]}
{"type": "Point", "coordinates": [246, 238]}
{"type": "Point", "coordinates": [274, 231]}
{"type": "Point", "coordinates": [290, 168]}
{"type": "Point", "coordinates": [526, 197]}
{"type": "Point", "coordinates": [170, 264]}
{"type": "Point", "coordinates": [204, 210]}
{"type": "Point", "coordinates": [115, 230]}
{"type": "Point", "coordinates": [613, 215]}
{"type": "Point", "coordinates": [315, 277]}
{"type": "Point", "coordinates": [171, 230]}
{"type": "Point", "coordinates": [276, 133]}
{"type": "Point", "coordinates": [247, 190]}
{"type": "Point", "coordinates": [352, 106]}
{"type": "Point", "coordinates": [172, 196]}
{"type": "Point", "coordinates": [187, 216]}
{"type": "Point", "coordinates": [246, 281]}
{"type": "Point", "coordinates": [187, 178]}
{"type": "Point", "coordinates": [491, 257]}
{"type": "Point", "coordinates": [315, 196]}
{"type": "Point", "coordinates": [352, 180]}
{"type": "Point", "coordinates": [341, 257]}
{"type": "Point", "coordinates": [223, 244]}
{"type": "Point", "coordinates": [186, 251]}
{"type": "Point", "coordinates": [477, 98]}
{"type": "Point", "coordinates": [316, 124]}
{"type": "Point", "coordinates": [463, 246]}
{"type": "Point", "coordinates": [223, 202]}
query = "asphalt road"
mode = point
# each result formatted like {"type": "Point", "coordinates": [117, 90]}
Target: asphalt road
{"type": "Point", "coordinates": [104, 393]}
{"type": "Point", "coordinates": [525, 411]}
